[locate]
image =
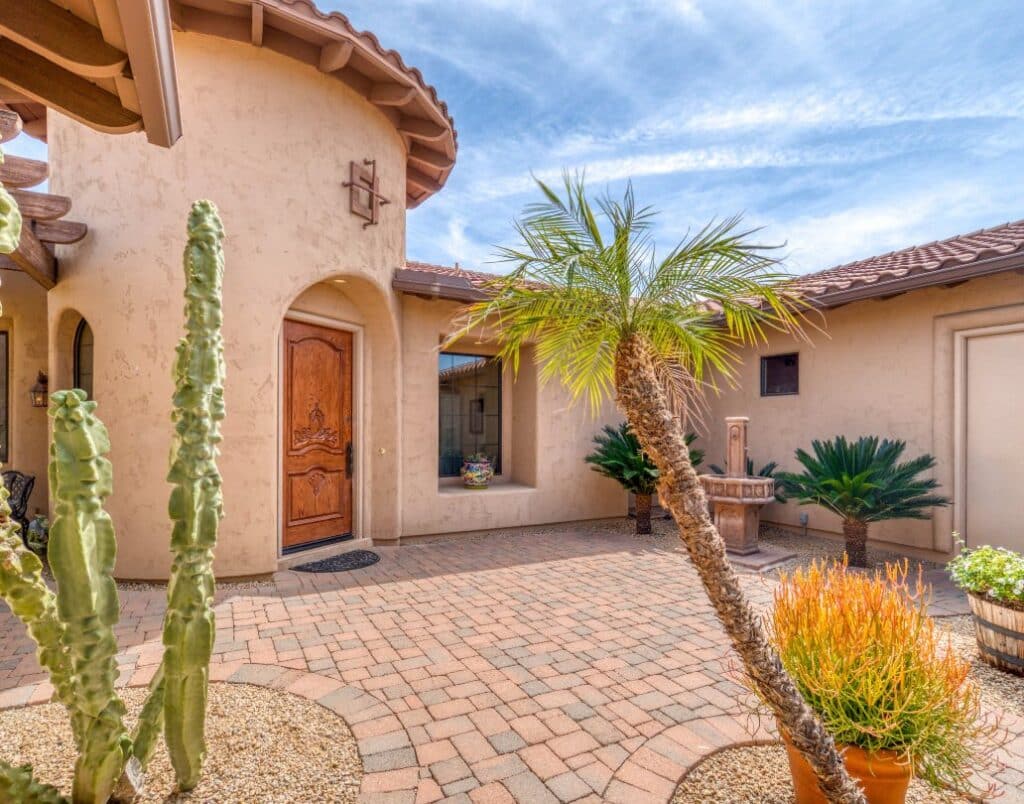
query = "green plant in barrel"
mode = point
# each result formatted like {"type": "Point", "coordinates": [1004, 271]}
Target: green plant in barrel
{"type": "Point", "coordinates": [73, 628]}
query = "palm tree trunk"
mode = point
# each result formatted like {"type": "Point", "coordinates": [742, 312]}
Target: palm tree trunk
{"type": "Point", "coordinates": [642, 399]}
{"type": "Point", "coordinates": [856, 535]}
{"type": "Point", "coordinates": [643, 514]}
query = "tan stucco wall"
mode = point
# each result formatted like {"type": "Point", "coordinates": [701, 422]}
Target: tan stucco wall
{"type": "Point", "coordinates": [24, 317]}
{"type": "Point", "coordinates": [544, 478]}
{"type": "Point", "coordinates": [882, 367]}
{"type": "Point", "coordinates": [270, 141]}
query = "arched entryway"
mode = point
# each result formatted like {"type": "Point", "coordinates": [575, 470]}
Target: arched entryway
{"type": "Point", "coordinates": [339, 418]}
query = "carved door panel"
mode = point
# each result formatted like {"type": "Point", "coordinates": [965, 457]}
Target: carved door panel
{"type": "Point", "coordinates": [317, 435]}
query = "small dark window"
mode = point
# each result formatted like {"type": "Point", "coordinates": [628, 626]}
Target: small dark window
{"type": "Point", "coordinates": [780, 375]}
{"type": "Point", "coordinates": [5, 432]}
{"type": "Point", "coordinates": [470, 410]}
{"type": "Point", "coordinates": [83, 357]}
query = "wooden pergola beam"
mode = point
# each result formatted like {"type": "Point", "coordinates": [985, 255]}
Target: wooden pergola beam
{"type": "Point", "coordinates": [63, 90]}
{"type": "Point", "coordinates": [60, 232]}
{"type": "Point", "coordinates": [17, 171]}
{"type": "Point", "coordinates": [35, 259]}
{"type": "Point", "coordinates": [335, 55]}
{"type": "Point", "coordinates": [10, 125]}
{"type": "Point", "coordinates": [60, 37]}
{"type": "Point", "coordinates": [41, 206]}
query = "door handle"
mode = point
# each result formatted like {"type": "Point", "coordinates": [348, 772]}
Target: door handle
{"type": "Point", "coordinates": [348, 459]}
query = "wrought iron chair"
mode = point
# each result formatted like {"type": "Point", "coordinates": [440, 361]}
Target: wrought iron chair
{"type": "Point", "coordinates": [20, 486]}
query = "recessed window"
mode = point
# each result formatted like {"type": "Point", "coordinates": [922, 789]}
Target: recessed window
{"type": "Point", "coordinates": [780, 375]}
{"type": "Point", "coordinates": [83, 357]}
{"type": "Point", "coordinates": [5, 430]}
{"type": "Point", "coordinates": [469, 410]}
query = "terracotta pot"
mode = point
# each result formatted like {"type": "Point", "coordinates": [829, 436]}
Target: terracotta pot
{"type": "Point", "coordinates": [883, 778]}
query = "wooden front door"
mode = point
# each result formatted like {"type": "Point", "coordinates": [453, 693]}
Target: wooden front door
{"type": "Point", "coordinates": [317, 435]}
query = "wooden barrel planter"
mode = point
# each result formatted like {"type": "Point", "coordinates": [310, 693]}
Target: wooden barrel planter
{"type": "Point", "coordinates": [1000, 632]}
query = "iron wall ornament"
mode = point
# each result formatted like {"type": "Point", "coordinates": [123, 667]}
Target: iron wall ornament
{"type": "Point", "coordinates": [364, 197]}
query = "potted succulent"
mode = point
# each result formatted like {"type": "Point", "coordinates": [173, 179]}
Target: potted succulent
{"type": "Point", "coordinates": [993, 578]}
{"type": "Point", "coordinates": [477, 471]}
{"type": "Point", "coordinates": [886, 684]}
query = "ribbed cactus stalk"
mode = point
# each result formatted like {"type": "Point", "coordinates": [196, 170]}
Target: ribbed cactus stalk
{"type": "Point", "coordinates": [10, 220]}
{"type": "Point", "coordinates": [17, 785]}
{"type": "Point", "coordinates": [82, 551]}
{"type": "Point", "coordinates": [196, 502]}
{"type": "Point", "coordinates": [23, 587]}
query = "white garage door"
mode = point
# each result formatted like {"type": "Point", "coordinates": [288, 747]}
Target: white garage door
{"type": "Point", "coordinates": [995, 440]}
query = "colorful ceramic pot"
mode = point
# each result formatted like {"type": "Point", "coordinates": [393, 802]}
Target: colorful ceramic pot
{"type": "Point", "coordinates": [882, 776]}
{"type": "Point", "coordinates": [477, 472]}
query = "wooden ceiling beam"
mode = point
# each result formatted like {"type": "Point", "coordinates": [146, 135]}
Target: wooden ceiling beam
{"type": "Point", "coordinates": [257, 25]}
{"type": "Point", "coordinates": [60, 232]}
{"type": "Point", "coordinates": [35, 259]}
{"type": "Point", "coordinates": [17, 171]}
{"type": "Point", "coordinates": [9, 95]}
{"type": "Point", "coordinates": [421, 180]}
{"type": "Point", "coordinates": [60, 37]}
{"type": "Point", "coordinates": [430, 158]}
{"type": "Point", "coordinates": [10, 125]}
{"type": "Point", "coordinates": [60, 89]}
{"type": "Point", "coordinates": [41, 206]}
{"type": "Point", "coordinates": [335, 55]}
{"type": "Point", "coordinates": [391, 94]}
{"type": "Point", "coordinates": [420, 129]}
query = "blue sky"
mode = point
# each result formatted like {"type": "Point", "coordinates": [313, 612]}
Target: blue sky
{"type": "Point", "coordinates": [845, 129]}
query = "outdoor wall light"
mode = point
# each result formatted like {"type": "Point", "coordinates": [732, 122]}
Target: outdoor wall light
{"type": "Point", "coordinates": [38, 392]}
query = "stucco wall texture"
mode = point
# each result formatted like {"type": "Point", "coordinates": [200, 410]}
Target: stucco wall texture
{"type": "Point", "coordinates": [880, 367]}
{"type": "Point", "coordinates": [24, 320]}
{"type": "Point", "coordinates": [269, 140]}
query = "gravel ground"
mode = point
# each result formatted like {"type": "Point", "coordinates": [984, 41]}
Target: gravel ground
{"type": "Point", "coordinates": [265, 746]}
{"type": "Point", "coordinates": [810, 547]}
{"type": "Point", "coordinates": [757, 775]}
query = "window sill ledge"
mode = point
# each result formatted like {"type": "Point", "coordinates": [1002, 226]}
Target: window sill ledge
{"type": "Point", "coordinates": [496, 488]}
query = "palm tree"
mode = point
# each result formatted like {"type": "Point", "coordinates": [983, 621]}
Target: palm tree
{"type": "Point", "coordinates": [607, 317]}
{"type": "Point", "coordinates": [618, 455]}
{"type": "Point", "coordinates": [863, 482]}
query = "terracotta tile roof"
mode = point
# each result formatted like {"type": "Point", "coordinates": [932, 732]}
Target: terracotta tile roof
{"type": "Point", "coordinates": [932, 263]}
{"type": "Point", "coordinates": [986, 251]}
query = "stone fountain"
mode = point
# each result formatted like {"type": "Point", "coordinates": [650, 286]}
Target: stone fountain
{"type": "Point", "coordinates": [736, 498]}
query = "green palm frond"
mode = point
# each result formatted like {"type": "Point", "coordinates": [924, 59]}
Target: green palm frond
{"type": "Point", "coordinates": [586, 275]}
{"type": "Point", "coordinates": [863, 480]}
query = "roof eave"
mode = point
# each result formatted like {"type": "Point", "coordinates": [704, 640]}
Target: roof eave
{"type": "Point", "coordinates": [436, 286]}
{"type": "Point", "coordinates": [925, 279]}
{"type": "Point", "coordinates": [150, 45]}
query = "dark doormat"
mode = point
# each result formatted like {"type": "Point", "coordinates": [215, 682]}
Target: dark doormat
{"type": "Point", "coordinates": [356, 559]}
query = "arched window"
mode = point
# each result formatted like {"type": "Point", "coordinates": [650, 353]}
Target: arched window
{"type": "Point", "coordinates": [83, 357]}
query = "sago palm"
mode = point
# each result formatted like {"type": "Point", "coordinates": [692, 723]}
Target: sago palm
{"type": "Point", "coordinates": [863, 481]}
{"type": "Point", "coordinates": [608, 317]}
{"type": "Point", "coordinates": [618, 455]}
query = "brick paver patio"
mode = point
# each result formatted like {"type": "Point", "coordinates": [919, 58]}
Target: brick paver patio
{"type": "Point", "coordinates": [553, 667]}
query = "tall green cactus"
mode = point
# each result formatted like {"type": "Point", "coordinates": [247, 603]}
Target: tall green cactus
{"type": "Point", "coordinates": [196, 504]}
{"type": "Point", "coordinates": [74, 627]}
{"type": "Point", "coordinates": [82, 549]}
{"type": "Point", "coordinates": [30, 599]}
{"type": "Point", "coordinates": [10, 220]}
